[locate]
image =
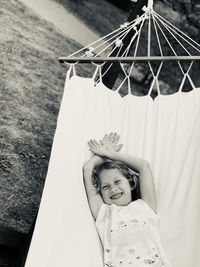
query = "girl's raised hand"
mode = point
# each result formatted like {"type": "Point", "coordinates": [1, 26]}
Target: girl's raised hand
{"type": "Point", "coordinates": [112, 141]}
{"type": "Point", "coordinates": [106, 146]}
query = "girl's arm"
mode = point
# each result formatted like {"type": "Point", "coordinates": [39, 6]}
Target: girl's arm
{"type": "Point", "coordinates": [94, 198]}
{"type": "Point", "coordinates": [147, 187]}
{"type": "Point", "coordinates": [141, 166]}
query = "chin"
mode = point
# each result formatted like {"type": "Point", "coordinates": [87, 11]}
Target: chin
{"type": "Point", "coordinates": [120, 203]}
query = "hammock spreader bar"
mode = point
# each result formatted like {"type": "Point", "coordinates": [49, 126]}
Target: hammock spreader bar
{"type": "Point", "coordinates": [111, 52]}
{"type": "Point", "coordinates": [126, 59]}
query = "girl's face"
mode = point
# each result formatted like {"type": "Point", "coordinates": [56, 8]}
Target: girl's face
{"type": "Point", "coordinates": [114, 187]}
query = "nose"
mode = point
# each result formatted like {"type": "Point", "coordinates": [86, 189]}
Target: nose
{"type": "Point", "coordinates": [114, 189]}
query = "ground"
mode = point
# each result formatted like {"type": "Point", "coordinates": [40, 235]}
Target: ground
{"type": "Point", "coordinates": [31, 88]}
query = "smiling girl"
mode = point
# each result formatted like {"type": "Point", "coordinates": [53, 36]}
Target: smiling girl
{"type": "Point", "coordinates": [122, 199]}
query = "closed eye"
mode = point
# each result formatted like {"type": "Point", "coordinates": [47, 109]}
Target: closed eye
{"type": "Point", "coordinates": [105, 187]}
{"type": "Point", "coordinates": [117, 181]}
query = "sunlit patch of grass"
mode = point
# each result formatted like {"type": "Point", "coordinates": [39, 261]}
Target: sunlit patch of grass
{"type": "Point", "coordinates": [100, 16]}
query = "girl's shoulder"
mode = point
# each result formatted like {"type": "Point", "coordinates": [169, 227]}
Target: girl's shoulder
{"type": "Point", "coordinates": [142, 207]}
{"type": "Point", "coordinates": [138, 207]}
{"type": "Point", "coordinates": [103, 213]}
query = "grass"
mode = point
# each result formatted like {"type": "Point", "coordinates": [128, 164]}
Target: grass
{"type": "Point", "coordinates": [31, 89]}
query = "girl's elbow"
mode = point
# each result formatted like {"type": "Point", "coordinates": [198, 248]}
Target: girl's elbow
{"type": "Point", "coordinates": [86, 167]}
{"type": "Point", "coordinates": [145, 165]}
{"type": "Point", "coordinates": [87, 171]}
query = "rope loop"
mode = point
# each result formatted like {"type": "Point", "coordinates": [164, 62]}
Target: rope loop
{"type": "Point", "coordinates": [124, 71]}
{"type": "Point", "coordinates": [186, 75]}
{"type": "Point", "coordinates": [191, 82]}
{"type": "Point", "coordinates": [71, 71]}
{"type": "Point", "coordinates": [129, 86]}
{"type": "Point", "coordinates": [127, 76]}
{"type": "Point", "coordinates": [99, 71]}
{"type": "Point", "coordinates": [155, 78]}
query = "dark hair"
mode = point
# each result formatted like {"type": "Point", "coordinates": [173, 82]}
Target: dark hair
{"type": "Point", "coordinates": [132, 176]}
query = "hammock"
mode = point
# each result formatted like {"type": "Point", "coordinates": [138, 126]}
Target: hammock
{"type": "Point", "coordinates": [163, 131]}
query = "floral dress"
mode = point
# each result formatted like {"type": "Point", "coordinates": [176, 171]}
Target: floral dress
{"type": "Point", "coordinates": [130, 236]}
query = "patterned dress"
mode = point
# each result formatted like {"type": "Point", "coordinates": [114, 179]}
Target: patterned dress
{"type": "Point", "coordinates": [130, 236]}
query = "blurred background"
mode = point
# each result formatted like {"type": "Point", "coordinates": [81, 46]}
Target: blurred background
{"type": "Point", "coordinates": [33, 35]}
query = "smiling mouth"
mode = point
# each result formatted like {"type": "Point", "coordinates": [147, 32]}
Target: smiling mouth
{"type": "Point", "coordinates": [116, 196]}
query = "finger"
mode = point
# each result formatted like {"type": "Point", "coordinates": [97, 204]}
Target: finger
{"type": "Point", "coordinates": [110, 137]}
{"type": "Point", "coordinates": [96, 143]}
{"type": "Point", "coordinates": [116, 139]}
{"type": "Point", "coordinates": [119, 147]}
{"type": "Point", "coordinates": [105, 138]}
{"type": "Point", "coordinates": [113, 137]}
{"type": "Point", "coordinates": [91, 144]}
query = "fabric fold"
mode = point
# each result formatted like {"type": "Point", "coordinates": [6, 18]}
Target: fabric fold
{"type": "Point", "coordinates": [165, 132]}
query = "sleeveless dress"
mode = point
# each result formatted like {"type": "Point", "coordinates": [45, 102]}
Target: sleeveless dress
{"type": "Point", "coordinates": [130, 237]}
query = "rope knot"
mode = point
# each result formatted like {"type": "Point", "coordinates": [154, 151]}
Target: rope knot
{"type": "Point", "coordinates": [124, 25]}
{"type": "Point", "coordinates": [149, 7]}
{"type": "Point", "coordinates": [118, 42]}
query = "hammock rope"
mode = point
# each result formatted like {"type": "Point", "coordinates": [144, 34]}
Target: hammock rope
{"type": "Point", "coordinates": [157, 36]}
{"type": "Point", "coordinates": [177, 40]}
{"type": "Point", "coordinates": [178, 31]}
{"type": "Point", "coordinates": [185, 75]}
{"type": "Point", "coordinates": [125, 53]}
{"type": "Point", "coordinates": [149, 16]}
{"type": "Point", "coordinates": [155, 78]}
{"type": "Point", "coordinates": [149, 37]}
{"type": "Point", "coordinates": [128, 26]}
{"type": "Point", "coordinates": [158, 30]}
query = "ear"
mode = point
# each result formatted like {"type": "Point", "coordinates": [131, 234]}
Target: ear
{"type": "Point", "coordinates": [132, 187]}
{"type": "Point", "coordinates": [133, 183]}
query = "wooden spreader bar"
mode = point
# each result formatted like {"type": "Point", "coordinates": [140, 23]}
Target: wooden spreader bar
{"type": "Point", "coordinates": [100, 60]}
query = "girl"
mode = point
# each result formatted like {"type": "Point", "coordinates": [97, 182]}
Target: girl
{"type": "Point", "coordinates": [128, 229]}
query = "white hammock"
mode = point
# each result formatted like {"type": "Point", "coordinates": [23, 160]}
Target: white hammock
{"type": "Point", "coordinates": [165, 132]}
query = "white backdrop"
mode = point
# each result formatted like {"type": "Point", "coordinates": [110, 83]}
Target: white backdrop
{"type": "Point", "coordinates": [166, 132]}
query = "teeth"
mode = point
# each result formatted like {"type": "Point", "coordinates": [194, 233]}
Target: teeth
{"type": "Point", "coordinates": [116, 196]}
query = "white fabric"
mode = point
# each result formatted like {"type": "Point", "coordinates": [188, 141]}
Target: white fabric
{"type": "Point", "coordinates": [166, 132]}
{"type": "Point", "coordinates": [130, 236]}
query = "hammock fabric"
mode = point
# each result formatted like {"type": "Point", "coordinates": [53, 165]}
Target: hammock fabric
{"type": "Point", "coordinates": [165, 132]}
